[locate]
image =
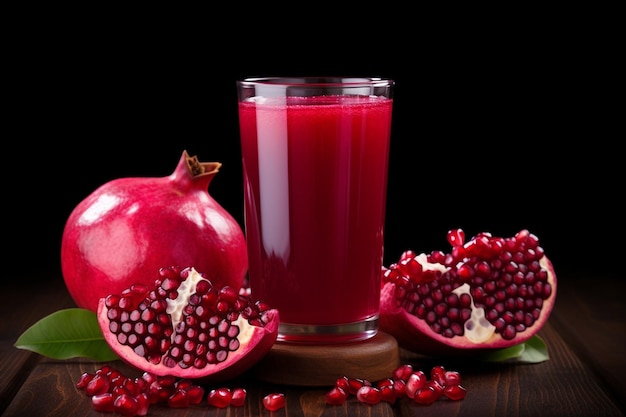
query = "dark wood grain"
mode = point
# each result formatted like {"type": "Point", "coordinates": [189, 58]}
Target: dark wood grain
{"type": "Point", "coordinates": [570, 383]}
{"type": "Point", "coordinates": [590, 314]}
{"type": "Point", "coordinates": [15, 366]}
{"type": "Point", "coordinates": [22, 305]}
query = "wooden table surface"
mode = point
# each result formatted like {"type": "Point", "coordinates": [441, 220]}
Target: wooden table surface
{"type": "Point", "coordinates": [585, 375]}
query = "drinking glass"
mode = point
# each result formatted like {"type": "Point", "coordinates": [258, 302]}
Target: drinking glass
{"type": "Point", "coordinates": [315, 156]}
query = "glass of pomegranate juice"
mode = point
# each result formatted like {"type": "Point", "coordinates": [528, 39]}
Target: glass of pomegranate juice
{"type": "Point", "coordinates": [315, 161]}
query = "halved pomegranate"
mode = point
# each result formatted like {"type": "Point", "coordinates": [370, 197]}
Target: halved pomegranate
{"type": "Point", "coordinates": [183, 326]}
{"type": "Point", "coordinates": [487, 293]}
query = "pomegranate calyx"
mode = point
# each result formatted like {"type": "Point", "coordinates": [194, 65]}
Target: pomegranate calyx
{"type": "Point", "coordinates": [197, 168]}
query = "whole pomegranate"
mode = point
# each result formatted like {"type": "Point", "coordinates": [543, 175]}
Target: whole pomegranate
{"type": "Point", "coordinates": [129, 227]}
{"type": "Point", "coordinates": [487, 293]}
{"type": "Point", "coordinates": [182, 325]}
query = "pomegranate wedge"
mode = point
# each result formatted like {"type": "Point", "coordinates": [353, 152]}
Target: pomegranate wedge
{"type": "Point", "coordinates": [183, 326]}
{"type": "Point", "coordinates": [487, 293]}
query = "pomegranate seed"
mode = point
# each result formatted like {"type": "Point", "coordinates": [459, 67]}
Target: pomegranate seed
{"type": "Point", "coordinates": [399, 387]}
{"type": "Point", "coordinates": [220, 397]}
{"type": "Point", "coordinates": [104, 370]}
{"type": "Point", "coordinates": [84, 380]}
{"type": "Point", "coordinates": [426, 395]}
{"type": "Point", "coordinates": [438, 374]}
{"type": "Point", "coordinates": [336, 396]}
{"type": "Point", "coordinates": [195, 394]}
{"type": "Point", "coordinates": [455, 392]}
{"type": "Point", "coordinates": [388, 394]}
{"type": "Point", "coordinates": [452, 378]}
{"type": "Point", "coordinates": [354, 384]}
{"type": "Point", "coordinates": [126, 405]}
{"type": "Point", "coordinates": [167, 381]}
{"type": "Point", "coordinates": [183, 384]}
{"type": "Point", "coordinates": [416, 381]}
{"type": "Point", "coordinates": [438, 388]}
{"type": "Point", "coordinates": [179, 399]}
{"type": "Point", "coordinates": [385, 382]}
{"type": "Point", "coordinates": [402, 372]}
{"type": "Point", "coordinates": [148, 377]}
{"type": "Point", "coordinates": [103, 402]}
{"type": "Point", "coordinates": [99, 384]}
{"type": "Point", "coordinates": [119, 390]}
{"type": "Point", "coordinates": [239, 397]}
{"type": "Point", "coordinates": [411, 268]}
{"type": "Point", "coordinates": [456, 237]}
{"type": "Point", "coordinates": [143, 404]}
{"type": "Point", "coordinates": [274, 401]}
{"type": "Point", "coordinates": [343, 383]}
{"type": "Point", "coordinates": [157, 393]}
{"type": "Point", "coordinates": [369, 395]}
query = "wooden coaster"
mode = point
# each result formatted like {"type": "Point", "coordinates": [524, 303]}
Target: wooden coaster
{"type": "Point", "coordinates": [321, 365]}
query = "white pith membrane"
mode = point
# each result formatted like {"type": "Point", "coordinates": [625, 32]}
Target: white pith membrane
{"type": "Point", "coordinates": [422, 258]}
{"type": "Point", "coordinates": [477, 327]}
{"type": "Point", "coordinates": [186, 289]}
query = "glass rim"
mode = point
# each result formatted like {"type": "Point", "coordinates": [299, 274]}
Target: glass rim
{"type": "Point", "coordinates": [313, 81]}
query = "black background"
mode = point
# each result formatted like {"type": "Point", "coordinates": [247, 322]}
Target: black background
{"type": "Point", "coordinates": [494, 130]}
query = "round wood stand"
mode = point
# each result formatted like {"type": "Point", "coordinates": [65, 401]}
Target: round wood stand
{"type": "Point", "coordinates": [321, 365]}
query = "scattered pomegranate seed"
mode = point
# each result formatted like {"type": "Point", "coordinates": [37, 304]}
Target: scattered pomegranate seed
{"type": "Point", "coordinates": [426, 395]}
{"type": "Point", "coordinates": [239, 397]}
{"type": "Point", "coordinates": [455, 392]}
{"type": "Point", "coordinates": [452, 378]}
{"type": "Point", "coordinates": [103, 402]}
{"type": "Point", "coordinates": [126, 405]}
{"type": "Point", "coordinates": [415, 382]}
{"type": "Point", "coordinates": [144, 404]}
{"type": "Point", "coordinates": [403, 382]}
{"type": "Point", "coordinates": [343, 383]}
{"type": "Point", "coordinates": [111, 391]}
{"type": "Point", "coordinates": [402, 372]}
{"type": "Point", "coordinates": [99, 384]}
{"type": "Point", "coordinates": [132, 397]}
{"type": "Point", "coordinates": [336, 396]}
{"type": "Point", "coordinates": [369, 395]}
{"type": "Point", "coordinates": [354, 384]}
{"type": "Point", "coordinates": [388, 394]}
{"type": "Point", "coordinates": [438, 373]}
{"type": "Point", "coordinates": [179, 399]}
{"type": "Point", "coordinates": [274, 401]}
{"type": "Point", "coordinates": [399, 387]}
{"type": "Point", "coordinates": [220, 397]}
{"type": "Point", "coordinates": [195, 394]}
{"type": "Point", "coordinates": [84, 380]}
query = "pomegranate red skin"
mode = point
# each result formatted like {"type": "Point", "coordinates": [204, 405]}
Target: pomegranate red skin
{"type": "Point", "coordinates": [415, 335]}
{"type": "Point", "coordinates": [129, 227]}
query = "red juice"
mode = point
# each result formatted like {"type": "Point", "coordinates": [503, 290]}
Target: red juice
{"type": "Point", "coordinates": [315, 183]}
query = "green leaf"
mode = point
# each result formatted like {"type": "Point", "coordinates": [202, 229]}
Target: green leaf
{"type": "Point", "coordinates": [501, 355]}
{"type": "Point", "coordinates": [65, 334]}
{"type": "Point", "coordinates": [534, 350]}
